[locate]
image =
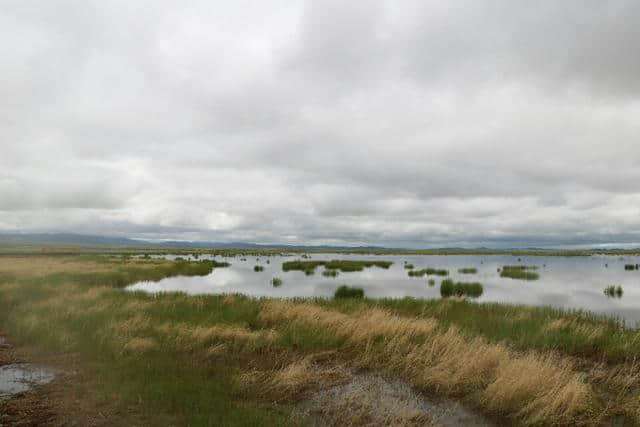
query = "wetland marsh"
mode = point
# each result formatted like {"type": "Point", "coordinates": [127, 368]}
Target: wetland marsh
{"type": "Point", "coordinates": [195, 357]}
{"type": "Point", "coordinates": [574, 282]}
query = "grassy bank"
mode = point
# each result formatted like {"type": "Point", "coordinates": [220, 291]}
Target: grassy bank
{"type": "Point", "coordinates": [231, 360]}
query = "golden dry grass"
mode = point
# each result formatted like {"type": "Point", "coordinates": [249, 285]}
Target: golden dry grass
{"type": "Point", "coordinates": [292, 381]}
{"type": "Point", "coordinates": [139, 345]}
{"type": "Point", "coordinates": [589, 332]}
{"type": "Point", "coordinates": [38, 266]}
{"type": "Point", "coordinates": [34, 266]}
{"type": "Point", "coordinates": [191, 337]}
{"type": "Point", "coordinates": [531, 387]}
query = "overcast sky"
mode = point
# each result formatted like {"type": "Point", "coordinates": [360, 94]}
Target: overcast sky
{"type": "Point", "coordinates": [398, 123]}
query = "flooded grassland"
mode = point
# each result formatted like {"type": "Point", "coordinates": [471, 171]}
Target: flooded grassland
{"type": "Point", "coordinates": [201, 357]}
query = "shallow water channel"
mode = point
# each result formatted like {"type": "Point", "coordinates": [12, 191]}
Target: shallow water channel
{"type": "Point", "coordinates": [568, 282]}
{"type": "Point", "coordinates": [20, 377]}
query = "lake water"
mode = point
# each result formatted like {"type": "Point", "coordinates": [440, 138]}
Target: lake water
{"type": "Point", "coordinates": [568, 282]}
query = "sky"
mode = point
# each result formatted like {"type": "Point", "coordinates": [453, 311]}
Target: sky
{"type": "Point", "coordinates": [403, 124]}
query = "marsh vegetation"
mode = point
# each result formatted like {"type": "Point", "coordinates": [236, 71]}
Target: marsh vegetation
{"type": "Point", "coordinates": [342, 265]}
{"type": "Point", "coordinates": [233, 360]}
{"type": "Point", "coordinates": [329, 273]}
{"type": "Point", "coordinates": [429, 272]}
{"type": "Point", "coordinates": [613, 291]}
{"type": "Point", "coordinates": [521, 272]}
{"type": "Point", "coordinates": [450, 288]}
{"type": "Point", "coordinates": [468, 270]}
{"type": "Point", "coordinates": [345, 291]}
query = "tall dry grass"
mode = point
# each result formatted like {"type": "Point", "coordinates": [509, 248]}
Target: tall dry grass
{"type": "Point", "coordinates": [532, 388]}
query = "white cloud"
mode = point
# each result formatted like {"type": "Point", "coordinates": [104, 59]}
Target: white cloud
{"type": "Point", "coordinates": [411, 124]}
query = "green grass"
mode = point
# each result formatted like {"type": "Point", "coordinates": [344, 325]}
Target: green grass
{"type": "Point", "coordinates": [300, 265]}
{"type": "Point", "coordinates": [408, 266]}
{"type": "Point", "coordinates": [461, 289]}
{"type": "Point", "coordinates": [177, 384]}
{"type": "Point", "coordinates": [523, 327]}
{"type": "Point", "coordinates": [345, 291]}
{"type": "Point", "coordinates": [342, 265]}
{"type": "Point", "coordinates": [429, 272]}
{"type": "Point", "coordinates": [330, 273]}
{"type": "Point", "coordinates": [467, 270]}
{"type": "Point", "coordinates": [169, 386]}
{"type": "Point", "coordinates": [613, 291]}
{"type": "Point", "coordinates": [521, 272]}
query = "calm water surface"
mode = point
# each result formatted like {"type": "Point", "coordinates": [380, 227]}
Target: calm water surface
{"type": "Point", "coordinates": [568, 282]}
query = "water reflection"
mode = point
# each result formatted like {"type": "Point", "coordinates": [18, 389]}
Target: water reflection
{"type": "Point", "coordinates": [569, 282]}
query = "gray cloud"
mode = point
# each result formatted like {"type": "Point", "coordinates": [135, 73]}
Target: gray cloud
{"type": "Point", "coordinates": [418, 124]}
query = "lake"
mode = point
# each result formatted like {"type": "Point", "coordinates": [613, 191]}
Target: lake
{"type": "Point", "coordinates": [566, 282]}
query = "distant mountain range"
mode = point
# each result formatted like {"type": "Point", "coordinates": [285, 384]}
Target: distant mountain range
{"type": "Point", "coordinates": [85, 239]}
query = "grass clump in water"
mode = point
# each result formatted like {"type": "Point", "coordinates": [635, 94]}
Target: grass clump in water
{"type": "Point", "coordinates": [309, 267]}
{"type": "Point", "coordinates": [468, 270]}
{"type": "Point", "coordinates": [521, 272]}
{"type": "Point", "coordinates": [631, 266]}
{"type": "Point", "coordinates": [345, 291]}
{"type": "Point", "coordinates": [408, 266]}
{"type": "Point", "coordinates": [428, 272]}
{"type": "Point", "coordinates": [431, 282]}
{"type": "Point", "coordinates": [276, 282]}
{"type": "Point", "coordinates": [613, 291]}
{"type": "Point", "coordinates": [330, 273]}
{"type": "Point", "coordinates": [299, 265]}
{"type": "Point", "coordinates": [258, 268]}
{"type": "Point", "coordinates": [346, 266]}
{"type": "Point", "coordinates": [449, 288]}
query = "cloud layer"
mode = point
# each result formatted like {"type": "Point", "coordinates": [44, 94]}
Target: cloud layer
{"type": "Point", "coordinates": [418, 124]}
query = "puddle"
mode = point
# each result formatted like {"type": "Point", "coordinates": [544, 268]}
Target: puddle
{"type": "Point", "coordinates": [20, 377]}
{"type": "Point", "coordinates": [374, 400]}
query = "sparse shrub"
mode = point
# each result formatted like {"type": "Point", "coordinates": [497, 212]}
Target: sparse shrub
{"type": "Point", "coordinates": [258, 268]}
{"type": "Point", "coordinates": [431, 282]}
{"type": "Point", "coordinates": [276, 281]}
